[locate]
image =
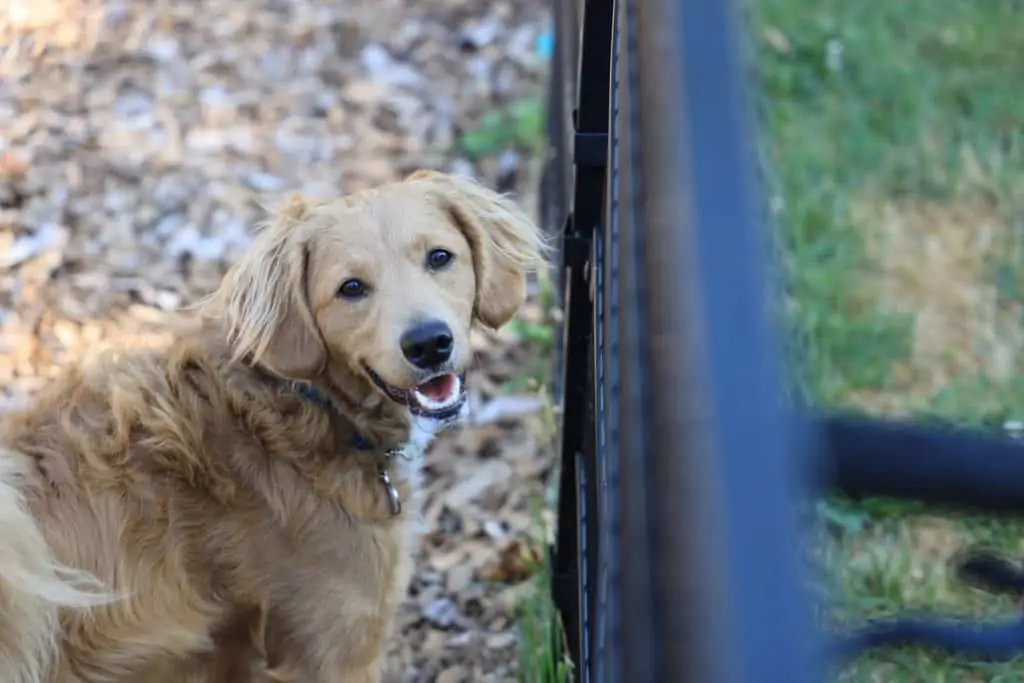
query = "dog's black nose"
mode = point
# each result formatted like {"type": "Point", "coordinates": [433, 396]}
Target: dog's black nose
{"type": "Point", "coordinates": [428, 344]}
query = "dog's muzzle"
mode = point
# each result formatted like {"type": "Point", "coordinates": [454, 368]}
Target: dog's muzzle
{"type": "Point", "coordinates": [440, 397]}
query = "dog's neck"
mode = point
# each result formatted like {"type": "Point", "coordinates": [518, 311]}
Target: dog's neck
{"type": "Point", "coordinates": [375, 426]}
{"type": "Point", "coordinates": [377, 420]}
{"type": "Point", "coordinates": [311, 393]}
{"type": "Point", "coordinates": [397, 439]}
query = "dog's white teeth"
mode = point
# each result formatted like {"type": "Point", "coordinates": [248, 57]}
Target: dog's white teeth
{"type": "Point", "coordinates": [439, 403]}
{"type": "Point", "coordinates": [435, 404]}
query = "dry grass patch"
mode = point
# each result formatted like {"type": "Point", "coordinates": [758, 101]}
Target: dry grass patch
{"type": "Point", "coordinates": [934, 261]}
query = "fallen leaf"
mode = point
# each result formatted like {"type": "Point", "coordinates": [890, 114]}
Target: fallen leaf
{"type": "Point", "coordinates": [517, 561]}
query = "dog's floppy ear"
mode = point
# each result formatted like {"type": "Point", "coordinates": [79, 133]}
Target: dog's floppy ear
{"type": "Point", "coordinates": [505, 242]}
{"type": "Point", "coordinates": [265, 300]}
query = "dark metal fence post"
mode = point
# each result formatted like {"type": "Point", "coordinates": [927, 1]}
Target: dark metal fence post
{"type": "Point", "coordinates": [577, 493]}
{"type": "Point", "coordinates": [722, 476]}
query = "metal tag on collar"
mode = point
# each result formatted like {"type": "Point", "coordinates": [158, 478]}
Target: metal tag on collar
{"type": "Point", "coordinates": [393, 498]}
{"type": "Point", "coordinates": [394, 501]}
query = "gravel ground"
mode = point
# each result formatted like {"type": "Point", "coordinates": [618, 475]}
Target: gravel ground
{"type": "Point", "coordinates": [138, 142]}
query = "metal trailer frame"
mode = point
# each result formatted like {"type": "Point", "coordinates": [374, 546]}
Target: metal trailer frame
{"type": "Point", "coordinates": [707, 584]}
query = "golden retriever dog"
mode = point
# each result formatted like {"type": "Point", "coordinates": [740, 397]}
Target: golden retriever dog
{"type": "Point", "coordinates": [242, 505]}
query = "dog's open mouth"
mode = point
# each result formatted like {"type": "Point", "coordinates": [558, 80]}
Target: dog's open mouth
{"type": "Point", "coordinates": [440, 397]}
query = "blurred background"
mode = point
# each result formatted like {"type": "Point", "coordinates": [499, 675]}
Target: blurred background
{"type": "Point", "coordinates": [895, 159]}
{"type": "Point", "coordinates": [138, 140]}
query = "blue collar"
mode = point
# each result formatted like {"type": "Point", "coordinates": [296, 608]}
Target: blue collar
{"type": "Point", "coordinates": [309, 392]}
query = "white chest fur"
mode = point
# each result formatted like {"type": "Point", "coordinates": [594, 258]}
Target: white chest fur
{"type": "Point", "coordinates": [409, 467]}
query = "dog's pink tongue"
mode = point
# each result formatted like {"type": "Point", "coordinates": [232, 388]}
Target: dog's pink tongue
{"type": "Point", "coordinates": [439, 388]}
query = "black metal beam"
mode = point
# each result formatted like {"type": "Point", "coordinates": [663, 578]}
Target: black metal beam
{"type": "Point", "coordinates": [577, 497]}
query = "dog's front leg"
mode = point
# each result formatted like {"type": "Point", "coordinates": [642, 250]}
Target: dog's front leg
{"type": "Point", "coordinates": [334, 639]}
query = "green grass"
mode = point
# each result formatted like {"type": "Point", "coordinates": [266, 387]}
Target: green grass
{"type": "Point", "coordinates": [921, 111]}
{"type": "Point", "coordinates": [542, 654]}
{"type": "Point", "coordinates": [520, 125]}
{"type": "Point", "coordinates": [924, 85]}
{"type": "Point", "coordinates": [882, 121]}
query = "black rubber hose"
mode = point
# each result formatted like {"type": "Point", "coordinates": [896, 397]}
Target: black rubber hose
{"type": "Point", "coordinates": [939, 465]}
{"type": "Point", "coordinates": [992, 641]}
{"type": "Point", "coordinates": [865, 457]}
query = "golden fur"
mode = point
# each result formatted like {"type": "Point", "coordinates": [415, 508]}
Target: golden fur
{"type": "Point", "coordinates": [186, 516]}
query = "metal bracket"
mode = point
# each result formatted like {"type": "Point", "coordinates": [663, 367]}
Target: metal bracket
{"type": "Point", "coordinates": [590, 149]}
{"type": "Point", "coordinates": [576, 246]}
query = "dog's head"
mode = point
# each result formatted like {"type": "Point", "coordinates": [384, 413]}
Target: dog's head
{"type": "Point", "coordinates": [385, 284]}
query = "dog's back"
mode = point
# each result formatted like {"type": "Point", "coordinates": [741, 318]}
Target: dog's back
{"type": "Point", "coordinates": [118, 469]}
{"type": "Point", "coordinates": [87, 479]}
{"type": "Point", "coordinates": [34, 587]}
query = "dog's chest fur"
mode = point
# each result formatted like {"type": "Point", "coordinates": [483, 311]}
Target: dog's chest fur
{"type": "Point", "coordinates": [409, 469]}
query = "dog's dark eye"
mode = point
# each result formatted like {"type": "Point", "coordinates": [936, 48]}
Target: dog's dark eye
{"type": "Point", "coordinates": [352, 289]}
{"type": "Point", "coordinates": [439, 258]}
